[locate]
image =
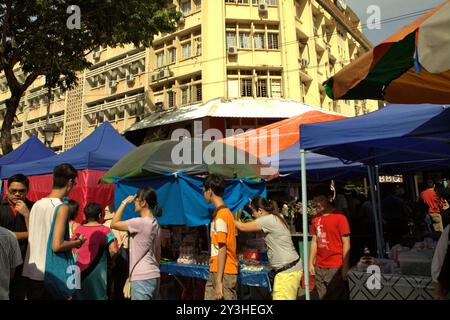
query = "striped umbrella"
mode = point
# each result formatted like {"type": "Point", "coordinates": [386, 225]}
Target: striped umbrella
{"type": "Point", "coordinates": [411, 66]}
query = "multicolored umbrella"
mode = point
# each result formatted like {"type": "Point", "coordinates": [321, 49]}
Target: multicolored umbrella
{"type": "Point", "coordinates": [411, 66]}
{"type": "Point", "coordinates": [189, 156]}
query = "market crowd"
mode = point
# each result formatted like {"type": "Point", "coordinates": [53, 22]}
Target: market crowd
{"type": "Point", "coordinates": [43, 247]}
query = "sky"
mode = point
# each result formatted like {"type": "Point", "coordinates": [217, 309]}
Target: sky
{"type": "Point", "coordinates": [394, 14]}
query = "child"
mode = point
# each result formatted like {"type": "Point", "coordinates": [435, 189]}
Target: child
{"type": "Point", "coordinates": [73, 212]}
{"type": "Point", "coordinates": [91, 257]}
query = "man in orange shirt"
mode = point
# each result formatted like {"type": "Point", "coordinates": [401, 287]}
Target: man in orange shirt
{"type": "Point", "coordinates": [222, 279]}
{"type": "Point", "coordinates": [435, 204]}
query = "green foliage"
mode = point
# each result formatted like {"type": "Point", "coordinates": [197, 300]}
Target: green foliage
{"type": "Point", "coordinates": [34, 35]}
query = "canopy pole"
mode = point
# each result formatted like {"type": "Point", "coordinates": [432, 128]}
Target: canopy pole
{"type": "Point", "coordinates": [374, 211]}
{"type": "Point", "coordinates": [305, 222]}
{"type": "Point", "coordinates": [380, 217]}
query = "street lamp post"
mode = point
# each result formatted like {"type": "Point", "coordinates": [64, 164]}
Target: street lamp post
{"type": "Point", "coordinates": [50, 129]}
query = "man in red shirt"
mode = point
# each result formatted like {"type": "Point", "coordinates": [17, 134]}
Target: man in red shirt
{"type": "Point", "coordinates": [434, 204]}
{"type": "Point", "coordinates": [330, 247]}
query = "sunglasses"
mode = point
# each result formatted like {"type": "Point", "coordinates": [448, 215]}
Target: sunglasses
{"type": "Point", "coordinates": [20, 191]}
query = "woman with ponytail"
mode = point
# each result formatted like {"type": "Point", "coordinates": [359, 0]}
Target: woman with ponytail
{"type": "Point", "coordinates": [145, 243]}
{"type": "Point", "coordinates": [283, 258]}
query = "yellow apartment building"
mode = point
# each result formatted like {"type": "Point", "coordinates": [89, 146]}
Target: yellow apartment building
{"type": "Point", "coordinates": [227, 49]}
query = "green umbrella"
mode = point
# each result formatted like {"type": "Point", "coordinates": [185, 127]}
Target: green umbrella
{"type": "Point", "coordinates": [190, 156]}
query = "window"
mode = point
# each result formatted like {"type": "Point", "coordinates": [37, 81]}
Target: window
{"type": "Point", "coordinates": [159, 59]}
{"type": "Point", "coordinates": [272, 2]}
{"type": "Point", "coordinates": [272, 40]}
{"type": "Point", "coordinates": [243, 1]}
{"type": "Point", "coordinates": [244, 40]}
{"type": "Point", "coordinates": [172, 55]}
{"type": "Point", "coordinates": [186, 7]}
{"type": "Point", "coordinates": [197, 92]}
{"type": "Point", "coordinates": [246, 88]}
{"type": "Point", "coordinates": [172, 99]}
{"type": "Point", "coordinates": [259, 40]}
{"type": "Point", "coordinates": [261, 88]}
{"type": "Point", "coordinates": [231, 39]}
{"type": "Point", "coordinates": [186, 47]}
{"type": "Point", "coordinates": [276, 88]}
{"type": "Point", "coordinates": [198, 4]}
{"type": "Point", "coordinates": [185, 95]}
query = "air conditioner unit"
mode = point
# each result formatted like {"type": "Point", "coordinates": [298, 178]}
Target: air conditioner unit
{"type": "Point", "coordinates": [96, 55]}
{"type": "Point", "coordinates": [130, 78]}
{"type": "Point", "coordinates": [113, 84]}
{"type": "Point", "coordinates": [262, 7]}
{"type": "Point", "coordinates": [165, 73]}
{"type": "Point", "coordinates": [303, 63]}
{"type": "Point", "coordinates": [159, 99]}
{"type": "Point", "coordinates": [232, 51]}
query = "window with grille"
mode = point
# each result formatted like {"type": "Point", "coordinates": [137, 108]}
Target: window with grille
{"type": "Point", "coordinates": [186, 48]}
{"type": "Point", "coordinates": [185, 95]}
{"type": "Point", "coordinates": [272, 39]}
{"type": "Point", "coordinates": [261, 88]}
{"type": "Point", "coordinates": [197, 92]}
{"type": "Point", "coordinates": [172, 99]}
{"type": "Point", "coordinates": [276, 88]}
{"type": "Point", "coordinates": [172, 55]}
{"type": "Point", "coordinates": [259, 40]}
{"type": "Point", "coordinates": [246, 88]}
{"type": "Point", "coordinates": [159, 59]}
{"type": "Point", "coordinates": [186, 7]}
{"type": "Point", "coordinates": [244, 40]}
{"type": "Point", "coordinates": [272, 2]}
{"type": "Point", "coordinates": [231, 39]}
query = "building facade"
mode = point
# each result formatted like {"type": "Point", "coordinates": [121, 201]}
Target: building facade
{"type": "Point", "coordinates": [247, 49]}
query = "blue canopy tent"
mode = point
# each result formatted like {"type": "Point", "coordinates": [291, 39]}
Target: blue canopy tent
{"type": "Point", "coordinates": [397, 134]}
{"type": "Point", "coordinates": [181, 198]}
{"type": "Point", "coordinates": [32, 149]}
{"type": "Point", "coordinates": [319, 167]}
{"type": "Point", "coordinates": [94, 155]}
{"type": "Point", "coordinates": [100, 151]}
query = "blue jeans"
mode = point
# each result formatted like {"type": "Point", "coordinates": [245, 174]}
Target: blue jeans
{"type": "Point", "coordinates": [144, 289]}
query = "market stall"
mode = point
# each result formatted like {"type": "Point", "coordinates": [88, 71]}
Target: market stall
{"type": "Point", "coordinates": [406, 275]}
{"type": "Point", "coordinates": [395, 135]}
{"type": "Point", "coordinates": [30, 150]}
{"type": "Point", "coordinates": [91, 157]}
{"type": "Point", "coordinates": [185, 248]}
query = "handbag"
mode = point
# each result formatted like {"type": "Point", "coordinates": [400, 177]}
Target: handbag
{"type": "Point", "coordinates": [127, 286]}
{"type": "Point", "coordinates": [59, 267]}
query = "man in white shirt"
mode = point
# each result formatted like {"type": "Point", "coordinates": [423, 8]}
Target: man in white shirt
{"type": "Point", "coordinates": [41, 217]}
{"type": "Point", "coordinates": [440, 266]}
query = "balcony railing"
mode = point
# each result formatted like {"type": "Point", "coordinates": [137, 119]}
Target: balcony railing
{"type": "Point", "coordinates": [351, 27]}
{"type": "Point", "coordinates": [115, 103]}
{"type": "Point", "coordinates": [116, 64]}
{"type": "Point", "coordinates": [41, 123]}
